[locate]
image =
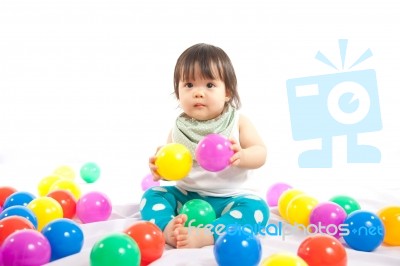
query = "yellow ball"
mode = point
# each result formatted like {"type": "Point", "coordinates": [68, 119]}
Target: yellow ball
{"type": "Point", "coordinates": [68, 185]}
{"type": "Point", "coordinates": [299, 209]}
{"type": "Point", "coordinates": [284, 200]}
{"type": "Point", "coordinates": [46, 183]}
{"type": "Point", "coordinates": [174, 161]}
{"type": "Point", "coordinates": [65, 171]}
{"type": "Point", "coordinates": [390, 217]}
{"type": "Point", "coordinates": [46, 210]}
{"type": "Point", "coordinates": [282, 258]}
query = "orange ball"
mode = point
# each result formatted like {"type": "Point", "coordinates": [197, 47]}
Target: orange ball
{"type": "Point", "coordinates": [390, 217]}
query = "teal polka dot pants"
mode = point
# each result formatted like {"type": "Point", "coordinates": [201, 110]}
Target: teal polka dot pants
{"type": "Point", "coordinates": [161, 204]}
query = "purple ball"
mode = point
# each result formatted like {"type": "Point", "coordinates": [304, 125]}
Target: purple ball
{"type": "Point", "coordinates": [94, 206]}
{"type": "Point", "coordinates": [26, 248]}
{"type": "Point", "coordinates": [274, 192]}
{"type": "Point", "coordinates": [213, 152]}
{"type": "Point", "coordinates": [327, 217]}
{"type": "Point", "coordinates": [148, 182]}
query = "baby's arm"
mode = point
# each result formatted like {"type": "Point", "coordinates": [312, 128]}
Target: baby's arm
{"type": "Point", "coordinates": [251, 152]}
{"type": "Point", "coordinates": [152, 160]}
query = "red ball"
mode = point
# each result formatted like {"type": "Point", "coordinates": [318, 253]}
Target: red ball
{"type": "Point", "coordinates": [324, 250]}
{"type": "Point", "coordinates": [4, 193]}
{"type": "Point", "coordinates": [149, 238]}
{"type": "Point", "coordinates": [11, 224]}
{"type": "Point", "coordinates": [66, 200]}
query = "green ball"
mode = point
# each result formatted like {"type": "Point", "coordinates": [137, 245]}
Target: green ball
{"type": "Point", "coordinates": [90, 172]}
{"type": "Point", "coordinates": [347, 203]}
{"type": "Point", "coordinates": [199, 212]}
{"type": "Point", "coordinates": [115, 249]}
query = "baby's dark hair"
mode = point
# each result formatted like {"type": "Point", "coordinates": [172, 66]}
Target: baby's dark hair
{"type": "Point", "coordinates": [208, 57]}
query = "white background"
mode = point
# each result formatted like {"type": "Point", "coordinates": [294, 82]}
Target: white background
{"type": "Point", "coordinates": [92, 81]}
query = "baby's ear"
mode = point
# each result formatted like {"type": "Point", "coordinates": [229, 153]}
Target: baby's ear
{"type": "Point", "coordinates": [227, 95]}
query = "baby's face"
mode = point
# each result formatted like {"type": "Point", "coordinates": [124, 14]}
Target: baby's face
{"type": "Point", "coordinates": [201, 98]}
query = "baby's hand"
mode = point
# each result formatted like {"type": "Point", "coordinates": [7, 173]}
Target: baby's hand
{"type": "Point", "coordinates": [153, 167]}
{"type": "Point", "coordinates": [235, 159]}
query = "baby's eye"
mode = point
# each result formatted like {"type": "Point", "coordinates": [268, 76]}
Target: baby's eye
{"type": "Point", "coordinates": [210, 85]}
{"type": "Point", "coordinates": [189, 85]}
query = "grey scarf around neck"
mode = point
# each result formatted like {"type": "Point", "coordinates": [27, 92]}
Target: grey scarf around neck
{"type": "Point", "coordinates": [189, 131]}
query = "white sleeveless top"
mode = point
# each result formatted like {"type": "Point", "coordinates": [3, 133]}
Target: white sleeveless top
{"type": "Point", "coordinates": [231, 181]}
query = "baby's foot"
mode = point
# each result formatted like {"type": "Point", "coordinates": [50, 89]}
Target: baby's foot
{"type": "Point", "coordinates": [169, 231]}
{"type": "Point", "coordinates": [192, 237]}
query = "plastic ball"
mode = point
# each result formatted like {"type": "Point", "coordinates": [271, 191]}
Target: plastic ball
{"type": "Point", "coordinates": [90, 172]}
{"type": "Point", "coordinates": [274, 192]}
{"type": "Point", "coordinates": [149, 238]}
{"type": "Point", "coordinates": [65, 237]}
{"type": "Point", "coordinates": [66, 200]}
{"type": "Point", "coordinates": [390, 217]}
{"type": "Point", "coordinates": [366, 231]}
{"type": "Point", "coordinates": [5, 192]}
{"type": "Point", "coordinates": [93, 206]}
{"type": "Point", "coordinates": [237, 247]}
{"type": "Point", "coordinates": [18, 198]}
{"type": "Point", "coordinates": [284, 200]}
{"type": "Point", "coordinates": [12, 224]}
{"type": "Point", "coordinates": [21, 211]}
{"type": "Point", "coordinates": [46, 183]}
{"type": "Point", "coordinates": [324, 250]}
{"type": "Point", "coordinates": [328, 216]}
{"type": "Point", "coordinates": [299, 209]}
{"type": "Point", "coordinates": [173, 161]}
{"type": "Point", "coordinates": [67, 184]}
{"type": "Point", "coordinates": [283, 259]}
{"type": "Point", "coordinates": [213, 152]}
{"type": "Point", "coordinates": [46, 210]}
{"type": "Point", "coordinates": [26, 247]}
{"type": "Point", "coordinates": [347, 203]}
{"type": "Point", "coordinates": [199, 212]}
{"type": "Point", "coordinates": [115, 249]}
{"type": "Point", "coordinates": [148, 182]}
{"type": "Point", "coordinates": [65, 171]}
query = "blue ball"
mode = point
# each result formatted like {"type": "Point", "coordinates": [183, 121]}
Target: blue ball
{"type": "Point", "coordinates": [237, 246]}
{"type": "Point", "coordinates": [366, 231]}
{"type": "Point", "coordinates": [18, 198]}
{"type": "Point", "coordinates": [65, 237]}
{"type": "Point", "coordinates": [19, 210]}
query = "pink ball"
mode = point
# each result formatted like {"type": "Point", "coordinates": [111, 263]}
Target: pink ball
{"type": "Point", "coordinates": [213, 152]}
{"type": "Point", "coordinates": [274, 192]}
{"type": "Point", "coordinates": [148, 182]}
{"type": "Point", "coordinates": [93, 207]}
{"type": "Point", "coordinates": [26, 247]}
{"type": "Point", "coordinates": [327, 218]}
